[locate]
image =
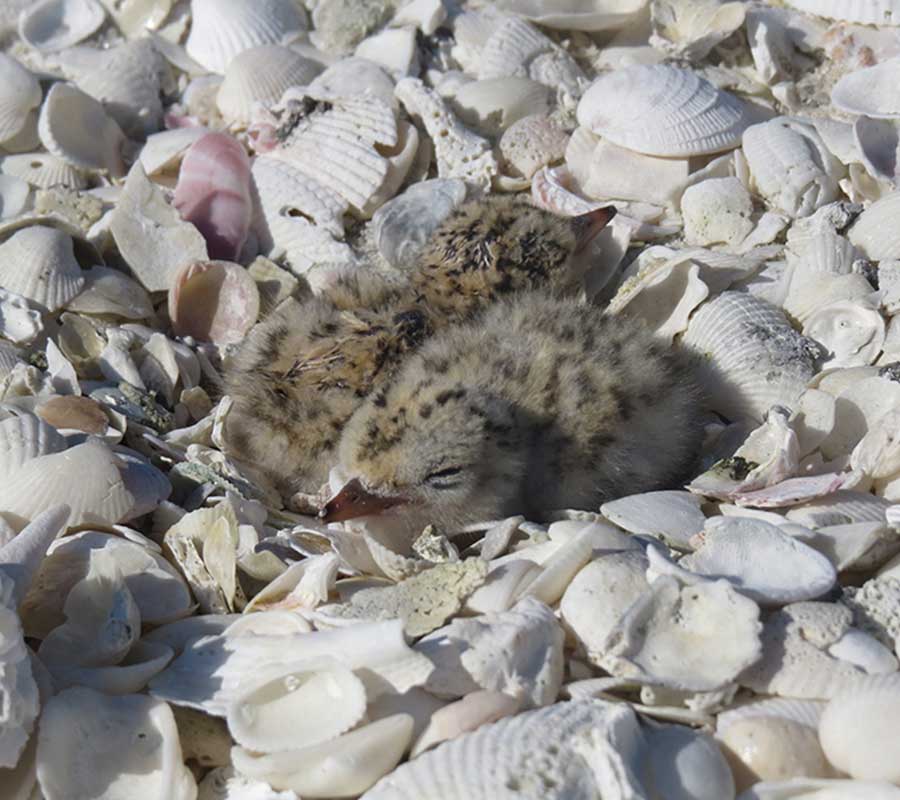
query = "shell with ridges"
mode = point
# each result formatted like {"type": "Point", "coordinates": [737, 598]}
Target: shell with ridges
{"type": "Point", "coordinates": [39, 263]}
{"type": "Point", "coordinates": [42, 170]}
{"type": "Point", "coordinates": [20, 92]}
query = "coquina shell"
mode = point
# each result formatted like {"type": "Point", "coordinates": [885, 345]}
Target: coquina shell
{"type": "Point", "coordinates": [662, 110]}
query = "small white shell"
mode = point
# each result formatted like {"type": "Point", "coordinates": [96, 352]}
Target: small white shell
{"type": "Point", "coordinates": [74, 127]}
{"type": "Point", "coordinates": [58, 24]}
{"type": "Point", "coordinates": [716, 211]}
{"type": "Point", "coordinates": [15, 196]}
{"type": "Point", "coordinates": [878, 141]}
{"type": "Point", "coordinates": [758, 359]}
{"type": "Point", "coordinates": [221, 29]}
{"type": "Point", "coordinates": [851, 333]}
{"type": "Point", "coordinates": [662, 110]}
{"type": "Point", "coordinates": [672, 516]}
{"type": "Point", "coordinates": [857, 731]}
{"type": "Point", "coordinates": [763, 563]}
{"type": "Point", "coordinates": [43, 170]}
{"type": "Point", "coordinates": [491, 105]}
{"type": "Point", "coordinates": [127, 745]}
{"type": "Point", "coordinates": [594, 15]}
{"type": "Point", "coordinates": [874, 232]}
{"type": "Point", "coordinates": [20, 92]}
{"type": "Point", "coordinates": [790, 165]}
{"type": "Point", "coordinates": [295, 706]}
{"type": "Point", "coordinates": [870, 91]}
{"type": "Point", "coordinates": [39, 263]}
{"type": "Point", "coordinates": [690, 29]}
{"type": "Point", "coordinates": [261, 75]}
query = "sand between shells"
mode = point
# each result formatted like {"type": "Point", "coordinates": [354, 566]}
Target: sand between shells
{"type": "Point", "coordinates": [171, 171]}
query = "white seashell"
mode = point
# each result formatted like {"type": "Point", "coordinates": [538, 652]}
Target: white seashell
{"type": "Point", "coordinates": [164, 151]}
{"type": "Point", "coordinates": [504, 583]}
{"type": "Point", "coordinates": [153, 240]}
{"type": "Point", "coordinates": [490, 106]}
{"type": "Point", "coordinates": [867, 12]}
{"type": "Point", "coordinates": [354, 76]}
{"type": "Point", "coordinates": [856, 731]}
{"type": "Point", "coordinates": [42, 170]}
{"type": "Point", "coordinates": [401, 227]}
{"type": "Point", "coordinates": [426, 15]}
{"type": "Point", "coordinates": [459, 152]}
{"type": "Point", "coordinates": [716, 211]}
{"type": "Point", "coordinates": [532, 142]}
{"type": "Point", "coordinates": [144, 660]}
{"type": "Point", "coordinates": [689, 115]}
{"type": "Point", "coordinates": [108, 291]}
{"type": "Point", "coordinates": [344, 767]}
{"type": "Point", "coordinates": [870, 91]}
{"type": "Point", "coordinates": [53, 25]}
{"type": "Point", "coordinates": [19, 322]}
{"type": "Point", "coordinates": [595, 15]}
{"type": "Point", "coordinates": [87, 477]}
{"type": "Point", "coordinates": [39, 263]}
{"type": "Point", "coordinates": [261, 75]}
{"type": "Point", "coordinates": [20, 92]}
{"type": "Point", "coordinates": [498, 761]}
{"type": "Point", "coordinates": [134, 17]}
{"type": "Point", "coordinates": [864, 651]}
{"type": "Point", "coordinates": [857, 409]}
{"type": "Point", "coordinates": [15, 197]}
{"type": "Point", "coordinates": [839, 508]}
{"type": "Point", "coordinates": [393, 48]}
{"type": "Point", "coordinates": [762, 562]}
{"type": "Point", "coordinates": [213, 301]}
{"type": "Point", "coordinates": [598, 597]}
{"type": "Point", "coordinates": [74, 127]}
{"type": "Point", "coordinates": [17, 683]}
{"type": "Point", "coordinates": [878, 141]}
{"type": "Point", "coordinates": [606, 171]}
{"type": "Point", "coordinates": [377, 649]}
{"type": "Point", "coordinates": [661, 638]}
{"type": "Point", "coordinates": [873, 232]}
{"type": "Point", "coordinates": [684, 28]}
{"type": "Point", "coordinates": [222, 29]}
{"type": "Point", "coordinates": [790, 166]}
{"type": "Point", "coordinates": [130, 746]}
{"type": "Point", "coordinates": [293, 706]}
{"type": "Point", "coordinates": [559, 569]}
{"type": "Point", "coordinates": [517, 652]}
{"type": "Point", "coordinates": [758, 359]}
{"type": "Point", "coordinates": [672, 516]}
{"type": "Point", "coordinates": [683, 764]}
{"type": "Point", "coordinates": [852, 333]}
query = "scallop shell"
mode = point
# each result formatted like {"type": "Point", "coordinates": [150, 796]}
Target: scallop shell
{"type": "Point", "coordinates": [74, 127]}
{"type": "Point", "coordinates": [518, 652]}
{"type": "Point", "coordinates": [763, 563]}
{"type": "Point", "coordinates": [594, 15]}
{"type": "Point", "coordinates": [755, 358]}
{"type": "Point", "coordinates": [662, 110]}
{"type": "Point", "coordinates": [866, 12]}
{"type": "Point", "coordinates": [874, 232]}
{"type": "Point", "coordinates": [43, 170]}
{"type": "Point", "coordinates": [851, 333]}
{"type": "Point", "coordinates": [840, 508]}
{"type": "Point", "coordinates": [53, 25]}
{"type": "Point", "coordinates": [261, 75]}
{"type": "Point", "coordinates": [20, 92]}
{"type": "Point", "coordinates": [24, 438]}
{"type": "Point", "coordinates": [790, 166]}
{"type": "Point", "coordinates": [344, 767]}
{"type": "Point", "coordinates": [130, 742]}
{"type": "Point", "coordinates": [39, 263]}
{"type": "Point", "coordinates": [295, 706]}
{"type": "Point", "coordinates": [213, 193]}
{"type": "Point", "coordinates": [222, 29]}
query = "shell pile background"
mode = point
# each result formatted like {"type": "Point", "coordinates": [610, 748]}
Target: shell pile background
{"type": "Point", "coordinates": [171, 170]}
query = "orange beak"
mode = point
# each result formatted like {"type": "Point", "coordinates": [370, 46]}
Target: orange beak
{"type": "Point", "coordinates": [587, 226]}
{"type": "Point", "coordinates": [354, 501]}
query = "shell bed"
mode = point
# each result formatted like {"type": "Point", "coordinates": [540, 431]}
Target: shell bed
{"type": "Point", "coordinates": [171, 170]}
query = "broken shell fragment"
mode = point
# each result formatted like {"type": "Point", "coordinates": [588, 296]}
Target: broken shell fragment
{"type": "Point", "coordinates": [53, 25]}
{"type": "Point", "coordinates": [20, 92]}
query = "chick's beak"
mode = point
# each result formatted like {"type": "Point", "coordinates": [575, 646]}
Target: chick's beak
{"type": "Point", "coordinates": [353, 500]}
{"type": "Point", "coordinates": [587, 226]}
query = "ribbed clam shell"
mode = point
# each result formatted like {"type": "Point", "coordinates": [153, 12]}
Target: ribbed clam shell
{"type": "Point", "coordinates": [335, 145]}
{"type": "Point", "coordinates": [663, 111]}
{"type": "Point", "coordinates": [19, 93]}
{"type": "Point", "coordinates": [221, 29]}
{"type": "Point", "coordinates": [871, 91]}
{"type": "Point", "coordinates": [874, 232]}
{"type": "Point", "coordinates": [261, 75]}
{"type": "Point", "coordinates": [510, 47]}
{"type": "Point", "coordinates": [43, 170]}
{"type": "Point", "coordinates": [74, 126]}
{"type": "Point", "coordinates": [127, 81]}
{"type": "Point", "coordinates": [538, 755]}
{"type": "Point", "coordinates": [840, 508]}
{"type": "Point", "coordinates": [23, 438]}
{"type": "Point", "coordinates": [39, 263]}
{"type": "Point", "coordinates": [57, 24]}
{"type": "Point", "coordinates": [754, 359]}
{"type": "Point", "coordinates": [867, 12]}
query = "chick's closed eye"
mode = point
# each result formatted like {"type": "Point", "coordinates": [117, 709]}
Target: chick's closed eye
{"type": "Point", "coordinates": [446, 478]}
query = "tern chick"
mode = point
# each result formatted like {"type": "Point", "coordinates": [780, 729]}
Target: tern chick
{"type": "Point", "coordinates": [539, 404]}
{"type": "Point", "coordinates": [304, 370]}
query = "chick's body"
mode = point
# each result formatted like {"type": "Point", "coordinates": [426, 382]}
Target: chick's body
{"type": "Point", "coordinates": [540, 404]}
{"type": "Point", "coordinates": [305, 369]}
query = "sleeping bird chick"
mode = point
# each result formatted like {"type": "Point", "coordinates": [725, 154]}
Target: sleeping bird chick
{"type": "Point", "coordinates": [540, 404]}
{"type": "Point", "coordinates": [304, 370]}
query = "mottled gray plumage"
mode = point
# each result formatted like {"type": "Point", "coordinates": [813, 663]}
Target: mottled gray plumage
{"type": "Point", "coordinates": [539, 404]}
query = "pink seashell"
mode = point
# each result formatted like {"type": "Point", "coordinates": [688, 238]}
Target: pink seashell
{"type": "Point", "coordinates": [213, 301]}
{"type": "Point", "coordinates": [213, 192]}
{"type": "Point", "coordinates": [263, 137]}
{"type": "Point", "coordinates": [172, 120]}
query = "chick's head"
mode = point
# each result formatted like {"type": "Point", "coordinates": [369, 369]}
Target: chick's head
{"type": "Point", "coordinates": [434, 452]}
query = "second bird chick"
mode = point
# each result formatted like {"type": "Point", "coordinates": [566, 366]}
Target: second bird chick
{"type": "Point", "coordinates": [540, 404]}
